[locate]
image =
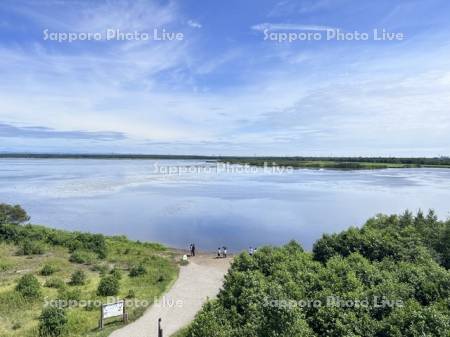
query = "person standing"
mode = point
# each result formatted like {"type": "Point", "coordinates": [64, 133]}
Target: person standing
{"type": "Point", "coordinates": [219, 253]}
{"type": "Point", "coordinates": [193, 249]}
{"type": "Point", "coordinates": [224, 251]}
{"type": "Point", "coordinates": [250, 251]}
{"type": "Point", "coordinates": [190, 249]}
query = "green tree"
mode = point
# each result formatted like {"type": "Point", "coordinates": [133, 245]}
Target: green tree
{"type": "Point", "coordinates": [10, 214]}
{"type": "Point", "coordinates": [52, 322]}
{"type": "Point", "coordinates": [355, 283]}
{"type": "Point", "coordinates": [108, 286]}
{"type": "Point", "coordinates": [29, 286]}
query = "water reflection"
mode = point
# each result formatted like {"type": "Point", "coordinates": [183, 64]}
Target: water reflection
{"type": "Point", "coordinates": [235, 208]}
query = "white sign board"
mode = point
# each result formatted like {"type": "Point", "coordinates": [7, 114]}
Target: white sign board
{"type": "Point", "coordinates": [113, 310]}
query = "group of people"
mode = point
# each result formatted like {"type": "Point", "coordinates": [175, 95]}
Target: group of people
{"type": "Point", "coordinates": [221, 252]}
{"type": "Point", "coordinates": [192, 249]}
{"type": "Point", "coordinates": [252, 251]}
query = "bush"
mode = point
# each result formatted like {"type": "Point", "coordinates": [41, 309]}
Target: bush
{"type": "Point", "coordinates": [92, 242]}
{"type": "Point", "coordinates": [82, 257]}
{"type": "Point", "coordinates": [48, 269]}
{"type": "Point", "coordinates": [138, 270]}
{"type": "Point", "coordinates": [52, 322]}
{"type": "Point", "coordinates": [109, 286]}
{"type": "Point", "coordinates": [131, 294]}
{"type": "Point", "coordinates": [31, 248]}
{"type": "Point", "coordinates": [55, 282]}
{"type": "Point", "coordinates": [116, 273]}
{"type": "Point", "coordinates": [67, 295]}
{"type": "Point", "coordinates": [29, 287]}
{"type": "Point", "coordinates": [12, 214]}
{"type": "Point", "coordinates": [78, 278]}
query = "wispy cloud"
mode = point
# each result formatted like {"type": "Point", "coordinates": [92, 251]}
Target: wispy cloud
{"type": "Point", "coordinates": [286, 7]}
{"type": "Point", "coordinates": [8, 130]}
{"type": "Point", "coordinates": [221, 90]}
{"type": "Point", "coordinates": [194, 24]}
{"type": "Point", "coordinates": [290, 26]}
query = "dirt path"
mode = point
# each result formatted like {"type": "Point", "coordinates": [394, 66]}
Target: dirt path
{"type": "Point", "coordinates": [200, 279]}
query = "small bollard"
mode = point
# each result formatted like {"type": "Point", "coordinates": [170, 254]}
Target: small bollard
{"type": "Point", "coordinates": [160, 330]}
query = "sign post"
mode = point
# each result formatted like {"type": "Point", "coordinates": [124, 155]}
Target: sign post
{"type": "Point", "coordinates": [112, 310]}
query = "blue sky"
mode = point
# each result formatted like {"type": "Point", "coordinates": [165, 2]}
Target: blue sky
{"type": "Point", "coordinates": [224, 88]}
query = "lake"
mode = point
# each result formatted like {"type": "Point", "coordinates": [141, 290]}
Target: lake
{"type": "Point", "coordinates": [181, 201]}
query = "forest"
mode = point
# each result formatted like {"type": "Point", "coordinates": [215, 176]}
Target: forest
{"type": "Point", "coordinates": [388, 278]}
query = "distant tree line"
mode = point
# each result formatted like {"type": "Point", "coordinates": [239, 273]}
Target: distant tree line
{"type": "Point", "coordinates": [445, 161]}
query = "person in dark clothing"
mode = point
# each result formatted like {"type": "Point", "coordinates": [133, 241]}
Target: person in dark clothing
{"type": "Point", "coordinates": [193, 249]}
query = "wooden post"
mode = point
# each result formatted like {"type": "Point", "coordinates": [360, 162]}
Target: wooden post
{"type": "Point", "coordinates": [102, 324]}
{"type": "Point", "coordinates": [125, 314]}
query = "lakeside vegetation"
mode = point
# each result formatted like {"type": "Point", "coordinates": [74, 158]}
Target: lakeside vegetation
{"type": "Point", "coordinates": [389, 278]}
{"type": "Point", "coordinates": [343, 163]}
{"type": "Point", "coordinates": [40, 265]}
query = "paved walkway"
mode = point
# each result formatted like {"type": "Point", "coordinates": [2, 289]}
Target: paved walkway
{"type": "Point", "coordinates": [200, 279]}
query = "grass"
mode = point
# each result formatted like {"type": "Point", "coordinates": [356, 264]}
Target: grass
{"type": "Point", "coordinates": [19, 317]}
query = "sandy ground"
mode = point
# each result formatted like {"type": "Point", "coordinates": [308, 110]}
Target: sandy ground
{"type": "Point", "coordinates": [199, 280]}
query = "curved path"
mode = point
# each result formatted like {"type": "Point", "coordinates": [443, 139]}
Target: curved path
{"type": "Point", "coordinates": [200, 279]}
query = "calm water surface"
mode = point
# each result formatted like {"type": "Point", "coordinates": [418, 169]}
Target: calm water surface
{"type": "Point", "coordinates": [237, 208]}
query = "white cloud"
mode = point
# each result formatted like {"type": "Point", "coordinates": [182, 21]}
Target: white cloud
{"type": "Point", "coordinates": [290, 26]}
{"type": "Point", "coordinates": [194, 24]}
{"type": "Point", "coordinates": [286, 100]}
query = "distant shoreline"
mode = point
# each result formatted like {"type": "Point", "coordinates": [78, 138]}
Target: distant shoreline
{"type": "Point", "coordinates": [308, 162]}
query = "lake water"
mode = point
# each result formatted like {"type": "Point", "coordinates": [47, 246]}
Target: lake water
{"type": "Point", "coordinates": [177, 202]}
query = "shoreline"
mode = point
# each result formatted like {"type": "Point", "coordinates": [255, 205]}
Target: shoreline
{"type": "Point", "coordinates": [294, 162]}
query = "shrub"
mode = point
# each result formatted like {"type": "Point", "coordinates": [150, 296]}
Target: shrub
{"type": "Point", "coordinates": [48, 269]}
{"type": "Point", "coordinates": [29, 287]}
{"type": "Point", "coordinates": [78, 278]}
{"type": "Point", "coordinates": [108, 286]}
{"type": "Point", "coordinates": [138, 270]}
{"type": "Point", "coordinates": [82, 257]}
{"type": "Point", "coordinates": [131, 294]}
{"type": "Point", "coordinates": [67, 295]}
{"type": "Point", "coordinates": [12, 214]}
{"type": "Point", "coordinates": [52, 322]}
{"type": "Point", "coordinates": [31, 248]}
{"type": "Point", "coordinates": [116, 273]}
{"type": "Point", "coordinates": [92, 242]}
{"type": "Point", "coordinates": [55, 282]}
